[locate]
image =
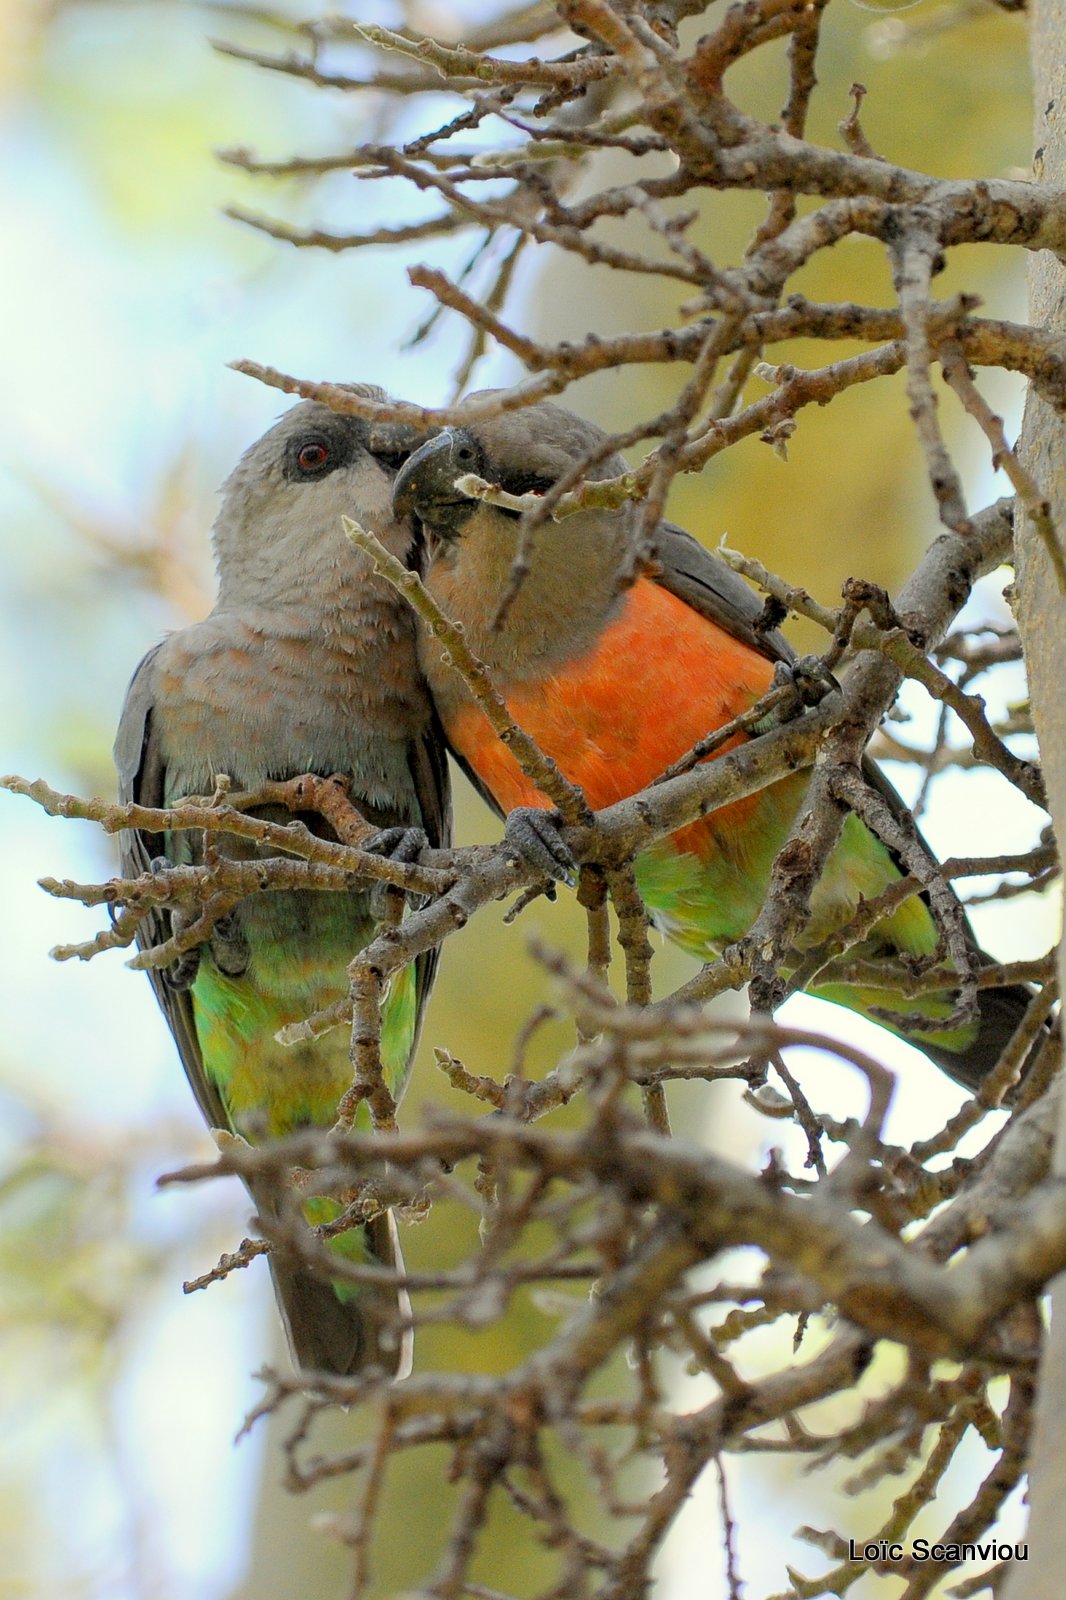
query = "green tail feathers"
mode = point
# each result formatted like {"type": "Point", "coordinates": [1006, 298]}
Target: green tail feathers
{"type": "Point", "coordinates": [270, 1090]}
{"type": "Point", "coordinates": [708, 900]}
{"type": "Point", "coordinates": [339, 1326]}
{"type": "Point", "coordinates": [967, 1052]}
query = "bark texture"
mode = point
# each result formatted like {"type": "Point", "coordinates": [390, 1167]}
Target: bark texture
{"type": "Point", "coordinates": [1042, 618]}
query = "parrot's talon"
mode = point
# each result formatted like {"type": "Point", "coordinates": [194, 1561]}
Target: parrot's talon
{"type": "Point", "coordinates": [181, 974]}
{"type": "Point", "coordinates": [535, 837]}
{"type": "Point", "coordinates": [810, 681]}
{"type": "Point", "coordinates": [404, 845]}
{"type": "Point", "coordinates": [229, 947]}
{"type": "Point", "coordinates": [813, 679]}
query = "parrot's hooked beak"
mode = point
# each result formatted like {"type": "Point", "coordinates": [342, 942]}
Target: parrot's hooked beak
{"type": "Point", "coordinates": [425, 484]}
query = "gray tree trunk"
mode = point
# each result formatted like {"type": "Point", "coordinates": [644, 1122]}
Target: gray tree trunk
{"type": "Point", "coordinates": [1042, 617]}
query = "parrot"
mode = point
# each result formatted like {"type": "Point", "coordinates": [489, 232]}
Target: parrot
{"type": "Point", "coordinates": [616, 672]}
{"type": "Point", "coordinates": [306, 664]}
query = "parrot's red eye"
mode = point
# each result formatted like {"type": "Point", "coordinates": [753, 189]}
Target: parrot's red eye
{"type": "Point", "coordinates": [312, 456]}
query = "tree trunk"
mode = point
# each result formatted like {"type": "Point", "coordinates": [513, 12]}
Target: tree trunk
{"type": "Point", "coordinates": [1042, 618]}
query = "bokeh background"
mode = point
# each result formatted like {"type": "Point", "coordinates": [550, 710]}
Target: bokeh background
{"type": "Point", "coordinates": [123, 293]}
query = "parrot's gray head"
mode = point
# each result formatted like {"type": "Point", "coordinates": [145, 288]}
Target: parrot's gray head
{"type": "Point", "coordinates": [426, 484]}
{"type": "Point", "coordinates": [522, 452]}
{"type": "Point", "coordinates": [282, 505]}
{"type": "Point", "coordinates": [575, 563]}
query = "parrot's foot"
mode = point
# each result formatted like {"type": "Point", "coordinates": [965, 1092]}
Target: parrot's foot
{"type": "Point", "coordinates": [397, 844]}
{"type": "Point", "coordinates": [181, 973]}
{"type": "Point", "coordinates": [229, 947]}
{"type": "Point", "coordinates": [810, 681]}
{"type": "Point", "coordinates": [535, 837]}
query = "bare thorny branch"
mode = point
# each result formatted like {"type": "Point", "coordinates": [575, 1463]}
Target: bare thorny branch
{"type": "Point", "coordinates": [865, 1230]}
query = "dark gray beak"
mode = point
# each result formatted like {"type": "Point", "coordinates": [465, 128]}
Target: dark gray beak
{"type": "Point", "coordinates": [425, 484]}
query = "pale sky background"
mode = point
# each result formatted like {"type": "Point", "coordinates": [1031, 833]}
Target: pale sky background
{"type": "Point", "coordinates": [124, 293]}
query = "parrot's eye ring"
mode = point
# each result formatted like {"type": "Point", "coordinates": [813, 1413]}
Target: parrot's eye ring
{"type": "Point", "coordinates": [313, 455]}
